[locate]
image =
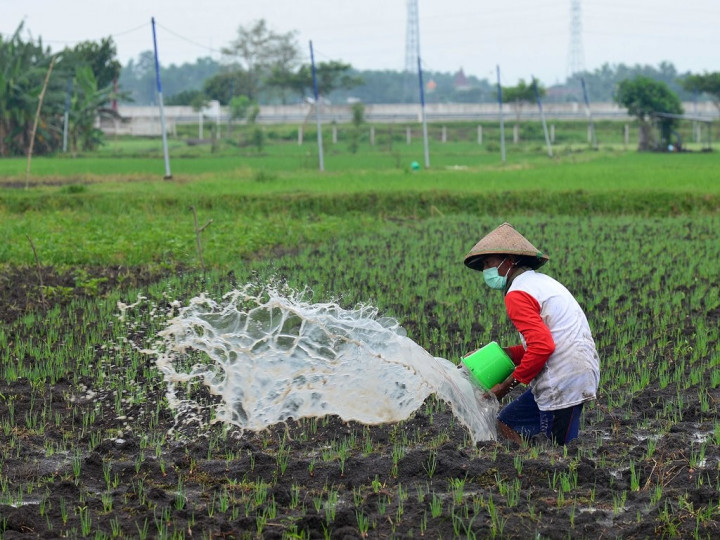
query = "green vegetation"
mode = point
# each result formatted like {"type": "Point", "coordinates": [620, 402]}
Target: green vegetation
{"type": "Point", "coordinates": [255, 205]}
{"type": "Point", "coordinates": [83, 75]}
{"type": "Point", "coordinates": [183, 83]}
{"type": "Point", "coordinates": [650, 101]}
{"type": "Point", "coordinates": [708, 83]}
{"type": "Point", "coordinates": [90, 448]}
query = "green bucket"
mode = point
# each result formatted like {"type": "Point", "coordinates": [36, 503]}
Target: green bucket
{"type": "Point", "coordinates": [489, 365]}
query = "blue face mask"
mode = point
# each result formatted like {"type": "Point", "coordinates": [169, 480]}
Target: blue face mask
{"type": "Point", "coordinates": [493, 279]}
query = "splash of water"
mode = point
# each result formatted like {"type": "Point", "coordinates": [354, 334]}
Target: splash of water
{"type": "Point", "coordinates": [270, 356]}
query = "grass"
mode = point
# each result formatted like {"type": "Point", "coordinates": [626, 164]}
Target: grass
{"type": "Point", "coordinates": [111, 211]}
{"type": "Point", "coordinates": [286, 169]}
{"type": "Point", "coordinates": [635, 247]}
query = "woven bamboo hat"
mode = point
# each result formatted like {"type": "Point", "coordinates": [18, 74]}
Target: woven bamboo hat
{"type": "Point", "coordinates": [504, 240]}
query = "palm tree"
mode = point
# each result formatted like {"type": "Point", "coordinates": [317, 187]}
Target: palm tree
{"type": "Point", "coordinates": [22, 70]}
{"type": "Point", "coordinates": [86, 103]}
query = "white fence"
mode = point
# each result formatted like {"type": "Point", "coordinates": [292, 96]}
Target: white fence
{"type": "Point", "coordinates": [145, 121]}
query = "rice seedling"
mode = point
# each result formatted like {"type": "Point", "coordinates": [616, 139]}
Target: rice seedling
{"type": "Point", "coordinates": [634, 478]}
{"type": "Point", "coordinates": [653, 320]}
{"type": "Point", "coordinates": [457, 487]}
{"type": "Point", "coordinates": [107, 502]}
{"type": "Point", "coordinates": [619, 500]}
{"type": "Point", "coordinates": [330, 505]}
{"type": "Point", "coordinates": [294, 496]}
{"type": "Point", "coordinates": [261, 519]}
{"type": "Point", "coordinates": [436, 506]}
{"type": "Point", "coordinates": [363, 523]}
{"type": "Point", "coordinates": [180, 497]}
{"type": "Point", "coordinates": [381, 505]}
{"type": "Point", "coordinates": [518, 463]}
{"type": "Point", "coordinates": [430, 464]}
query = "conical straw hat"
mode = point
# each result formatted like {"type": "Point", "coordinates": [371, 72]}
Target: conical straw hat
{"type": "Point", "coordinates": [504, 240]}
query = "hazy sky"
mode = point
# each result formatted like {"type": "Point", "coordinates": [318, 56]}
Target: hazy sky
{"type": "Point", "coordinates": [525, 37]}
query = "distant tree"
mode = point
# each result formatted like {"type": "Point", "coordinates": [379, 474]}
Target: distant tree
{"type": "Point", "coordinates": [520, 95]}
{"type": "Point", "coordinates": [226, 85]}
{"type": "Point", "coordinates": [138, 79]}
{"type": "Point", "coordinates": [708, 83]}
{"type": "Point", "coordinates": [239, 107]}
{"type": "Point", "coordinates": [603, 81]}
{"type": "Point", "coordinates": [188, 76]}
{"type": "Point", "coordinates": [199, 102]}
{"type": "Point", "coordinates": [358, 115]}
{"type": "Point", "coordinates": [358, 119]}
{"type": "Point", "coordinates": [378, 87]}
{"type": "Point", "coordinates": [257, 52]}
{"type": "Point", "coordinates": [23, 66]}
{"type": "Point", "coordinates": [331, 76]}
{"type": "Point", "coordinates": [100, 56]}
{"type": "Point", "coordinates": [185, 98]}
{"type": "Point", "coordinates": [644, 98]}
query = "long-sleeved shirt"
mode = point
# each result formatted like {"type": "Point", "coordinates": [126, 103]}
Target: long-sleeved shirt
{"type": "Point", "coordinates": [557, 358]}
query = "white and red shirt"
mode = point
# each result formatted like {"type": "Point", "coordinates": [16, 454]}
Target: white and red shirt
{"type": "Point", "coordinates": [557, 358]}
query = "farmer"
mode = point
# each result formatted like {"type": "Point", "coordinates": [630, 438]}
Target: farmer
{"type": "Point", "coordinates": [557, 359]}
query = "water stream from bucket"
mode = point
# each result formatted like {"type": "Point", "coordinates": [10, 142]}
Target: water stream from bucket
{"type": "Point", "coordinates": [271, 356]}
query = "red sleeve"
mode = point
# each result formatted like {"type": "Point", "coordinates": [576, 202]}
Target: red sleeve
{"type": "Point", "coordinates": [524, 312]}
{"type": "Point", "coordinates": [516, 353]}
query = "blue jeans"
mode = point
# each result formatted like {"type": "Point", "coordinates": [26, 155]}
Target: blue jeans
{"type": "Point", "coordinates": [524, 417]}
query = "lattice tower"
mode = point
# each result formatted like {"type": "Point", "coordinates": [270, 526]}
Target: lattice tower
{"type": "Point", "coordinates": [412, 47]}
{"type": "Point", "coordinates": [576, 57]}
{"type": "Point", "coordinates": [412, 39]}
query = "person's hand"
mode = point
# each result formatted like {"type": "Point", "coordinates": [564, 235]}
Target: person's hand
{"type": "Point", "coordinates": [501, 389]}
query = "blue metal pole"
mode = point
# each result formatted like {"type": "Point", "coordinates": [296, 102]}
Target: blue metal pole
{"type": "Point", "coordinates": [542, 116]}
{"type": "Point", "coordinates": [66, 119]}
{"type": "Point", "coordinates": [502, 120]}
{"type": "Point", "coordinates": [426, 146]}
{"type": "Point", "coordinates": [317, 109]}
{"type": "Point", "coordinates": [591, 125]}
{"type": "Point", "coordinates": [168, 175]}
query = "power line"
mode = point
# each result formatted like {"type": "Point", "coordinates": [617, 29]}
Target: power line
{"type": "Point", "coordinates": [189, 40]}
{"type": "Point", "coordinates": [114, 35]}
{"type": "Point", "coordinates": [672, 8]}
{"type": "Point", "coordinates": [144, 25]}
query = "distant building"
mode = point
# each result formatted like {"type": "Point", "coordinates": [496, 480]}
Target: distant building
{"type": "Point", "coordinates": [561, 93]}
{"type": "Point", "coordinates": [460, 82]}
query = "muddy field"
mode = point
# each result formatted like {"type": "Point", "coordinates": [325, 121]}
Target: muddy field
{"type": "Point", "coordinates": [70, 467]}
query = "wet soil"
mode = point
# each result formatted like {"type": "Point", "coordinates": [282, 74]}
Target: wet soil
{"type": "Point", "coordinates": [35, 289]}
{"type": "Point", "coordinates": [71, 467]}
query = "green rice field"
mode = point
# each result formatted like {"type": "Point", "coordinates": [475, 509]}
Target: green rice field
{"type": "Point", "coordinates": [90, 447]}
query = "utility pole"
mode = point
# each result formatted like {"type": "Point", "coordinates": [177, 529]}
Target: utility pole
{"type": "Point", "coordinates": [66, 116]}
{"type": "Point", "coordinates": [588, 113]}
{"type": "Point", "coordinates": [542, 116]}
{"type": "Point", "coordinates": [168, 175]}
{"type": "Point", "coordinates": [502, 119]}
{"type": "Point", "coordinates": [321, 159]}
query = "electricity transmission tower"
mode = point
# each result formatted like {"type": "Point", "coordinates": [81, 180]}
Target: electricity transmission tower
{"type": "Point", "coordinates": [412, 46]}
{"type": "Point", "coordinates": [576, 57]}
